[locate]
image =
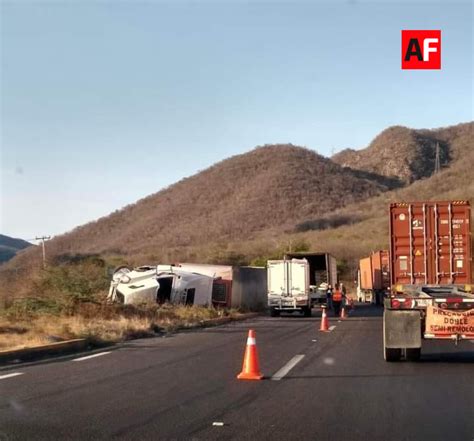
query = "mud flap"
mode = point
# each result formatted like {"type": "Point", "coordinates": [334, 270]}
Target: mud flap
{"type": "Point", "coordinates": [401, 329]}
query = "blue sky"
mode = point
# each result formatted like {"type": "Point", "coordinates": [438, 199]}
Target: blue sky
{"type": "Point", "coordinates": [103, 103]}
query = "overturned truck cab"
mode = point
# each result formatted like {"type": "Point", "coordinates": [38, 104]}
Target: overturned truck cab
{"type": "Point", "coordinates": [160, 284]}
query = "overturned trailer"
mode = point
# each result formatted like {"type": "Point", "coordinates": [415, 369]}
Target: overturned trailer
{"type": "Point", "coordinates": [160, 284]}
{"type": "Point", "coordinates": [234, 286]}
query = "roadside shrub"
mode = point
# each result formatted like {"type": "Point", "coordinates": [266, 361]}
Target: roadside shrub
{"type": "Point", "coordinates": [73, 283]}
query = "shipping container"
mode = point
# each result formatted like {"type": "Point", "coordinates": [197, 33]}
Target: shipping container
{"type": "Point", "coordinates": [430, 243]}
{"type": "Point", "coordinates": [374, 277]}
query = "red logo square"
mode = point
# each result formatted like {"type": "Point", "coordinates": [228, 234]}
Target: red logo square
{"type": "Point", "coordinates": [421, 49]}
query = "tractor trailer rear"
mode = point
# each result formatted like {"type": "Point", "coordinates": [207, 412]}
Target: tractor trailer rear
{"type": "Point", "coordinates": [431, 275]}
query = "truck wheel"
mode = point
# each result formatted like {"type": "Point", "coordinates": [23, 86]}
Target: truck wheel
{"type": "Point", "coordinates": [413, 354]}
{"type": "Point", "coordinates": [274, 312]}
{"type": "Point", "coordinates": [307, 311]}
{"type": "Point", "coordinates": [392, 354]}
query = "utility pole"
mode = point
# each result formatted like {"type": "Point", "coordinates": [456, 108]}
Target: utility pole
{"type": "Point", "coordinates": [437, 160]}
{"type": "Point", "coordinates": [43, 239]}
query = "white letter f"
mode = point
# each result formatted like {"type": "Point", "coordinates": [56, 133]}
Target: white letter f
{"type": "Point", "coordinates": [427, 49]}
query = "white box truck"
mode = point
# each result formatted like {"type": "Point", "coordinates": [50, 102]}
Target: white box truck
{"type": "Point", "coordinates": [299, 281]}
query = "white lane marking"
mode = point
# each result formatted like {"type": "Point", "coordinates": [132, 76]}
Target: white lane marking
{"type": "Point", "coordinates": [91, 356]}
{"type": "Point", "coordinates": [288, 367]}
{"type": "Point", "coordinates": [14, 374]}
{"type": "Point", "coordinates": [331, 328]}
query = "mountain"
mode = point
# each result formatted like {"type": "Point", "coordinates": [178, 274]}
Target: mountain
{"type": "Point", "coordinates": [255, 204]}
{"type": "Point", "coordinates": [273, 186]}
{"type": "Point", "coordinates": [9, 246]}
{"type": "Point", "coordinates": [408, 154]}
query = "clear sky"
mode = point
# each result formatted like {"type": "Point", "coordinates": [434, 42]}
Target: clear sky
{"type": "Point", "coordinates": [103, 103]}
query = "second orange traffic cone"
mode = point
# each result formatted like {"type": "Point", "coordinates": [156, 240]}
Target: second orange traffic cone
{"type": "Point", "coordinates": [324, 321]}
{"type": "Point", "coordinates": [250, 368]}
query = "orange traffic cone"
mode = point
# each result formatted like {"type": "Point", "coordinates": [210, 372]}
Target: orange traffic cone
{"type": "Point", "coordinates": [343, 313]}
{"type": "Point", "coordinates": [324, 321]}
{"type": "Point", "coordinates": [250, 368]}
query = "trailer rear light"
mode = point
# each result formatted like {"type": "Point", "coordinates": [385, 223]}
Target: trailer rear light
{"type": "Point", "coordinates": [405, 303]}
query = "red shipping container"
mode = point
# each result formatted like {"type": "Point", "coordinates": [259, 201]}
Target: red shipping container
{"type": "Point", "coordinates": [430, 243]}
{"type": "Point", "coordinates": [375, 271]}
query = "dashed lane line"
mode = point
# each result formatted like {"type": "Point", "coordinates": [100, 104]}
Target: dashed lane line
{"type": "Point", "coordinates": [87, 357]}
{"type": "Point", "coordinates": [288, 367]}
{"type": "Point", "coordinates": [331, 328]}
{"type": "Point", "coordinates": [13, 374]}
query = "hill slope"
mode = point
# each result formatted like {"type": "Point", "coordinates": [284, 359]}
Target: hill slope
{"type": "Point", "coordinates": [409, 154]}
{"type": "Point", "coordinates": [271, 186]}
{"type": "Point", "coordinates": [9, 246]}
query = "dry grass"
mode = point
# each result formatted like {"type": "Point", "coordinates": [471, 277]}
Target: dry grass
{"type": "Point", "coordinates": [113, 326]}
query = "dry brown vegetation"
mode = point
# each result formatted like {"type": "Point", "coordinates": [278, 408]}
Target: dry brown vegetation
{"type": "Point", "coordinates": [100, 325]}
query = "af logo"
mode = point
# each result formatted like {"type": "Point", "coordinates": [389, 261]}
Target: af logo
{"type": "Point", "coordinates": [421, 49]}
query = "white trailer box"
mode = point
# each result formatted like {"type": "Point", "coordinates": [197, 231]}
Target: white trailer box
{"type": "Point", "coordinates": [288, 286]}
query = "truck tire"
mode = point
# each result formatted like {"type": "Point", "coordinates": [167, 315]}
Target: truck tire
{"type": "Point", "coordinates": [274, 312]}
{"type": "Point", "coordinates": [392, 354]}
{"type": "Point", "coordinates": [413, 354]}
{"type": "Point", "coordinates": [307, 311]}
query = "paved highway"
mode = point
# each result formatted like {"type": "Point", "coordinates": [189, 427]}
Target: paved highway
{"type": "Point", "coordinates": [332, 386]}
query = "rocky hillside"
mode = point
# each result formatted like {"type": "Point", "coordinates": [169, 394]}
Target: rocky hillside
{"type": "Point", "coordinates": [407, 154]}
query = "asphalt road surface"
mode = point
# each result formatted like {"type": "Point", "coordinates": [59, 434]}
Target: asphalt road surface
{"type": "Point", "coordinates": [332, 386]}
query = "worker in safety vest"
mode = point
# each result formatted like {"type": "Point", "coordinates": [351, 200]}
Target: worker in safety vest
{"type": "Point", "coordinates": [337, 298]}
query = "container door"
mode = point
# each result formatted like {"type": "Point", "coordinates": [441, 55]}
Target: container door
{"type": "Point", "coordinates": [410, 236]}
{"type": "Point", "coordinates": [430, 243]}
{"type": "Point", "coordinates": [298, 277]}
{"type": "Point", "coordinates": [450, 260]}
{"type": "Point", "coordinates": [276, 273]}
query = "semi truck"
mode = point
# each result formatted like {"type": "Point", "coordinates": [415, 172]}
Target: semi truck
{"type": "Point", "coordinates": [299, 281]}
{"type": "Point", "coordinates": [374, 277]}
{"type": "Point", "coordinates": [431, 274]}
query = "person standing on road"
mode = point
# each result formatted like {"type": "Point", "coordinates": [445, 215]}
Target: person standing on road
{"type": "Point", "coordinates": [337, 298]}
{"type": "Point", "coordinates": [329, 297]}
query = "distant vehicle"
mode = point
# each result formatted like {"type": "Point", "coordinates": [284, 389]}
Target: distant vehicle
{"type": "Point", "coordinates": [374, 277]}
{"type": "Point", "coordinates": [299, 281]}
{"type": "Point", "coordinates": [160, 284]}
{"type": "Point", "coordinates": [430, 266]}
